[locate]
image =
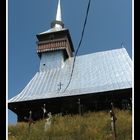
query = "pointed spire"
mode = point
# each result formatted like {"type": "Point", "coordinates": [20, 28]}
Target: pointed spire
{"type": "Point", "coordinates": [58, 24]}
{"type": "Point", "coordinates": [58, 14]}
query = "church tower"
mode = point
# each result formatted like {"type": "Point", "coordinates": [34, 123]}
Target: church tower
{"type": "Point", "coordinates": [54, 45]}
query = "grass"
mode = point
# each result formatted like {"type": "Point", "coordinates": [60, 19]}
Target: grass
{"type": "Point", "coordinates": [91, 126]}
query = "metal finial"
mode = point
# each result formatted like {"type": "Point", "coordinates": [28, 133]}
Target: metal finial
{"type": "Point", "coordinates": [58, 16]}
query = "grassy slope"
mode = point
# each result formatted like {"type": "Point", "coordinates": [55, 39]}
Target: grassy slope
{"type": "Point", "coordinates": [91, 126]}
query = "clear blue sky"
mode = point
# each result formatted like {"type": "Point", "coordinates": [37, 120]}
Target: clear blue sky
{"type": "Point", "coordinates": [108, 25]}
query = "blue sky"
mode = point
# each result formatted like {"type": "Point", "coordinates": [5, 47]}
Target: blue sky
{"type": "Point", "coordinates": [109, 24]}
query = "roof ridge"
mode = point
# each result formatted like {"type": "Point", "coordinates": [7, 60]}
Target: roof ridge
{"type": "Point", "coordinates": [101, 52]}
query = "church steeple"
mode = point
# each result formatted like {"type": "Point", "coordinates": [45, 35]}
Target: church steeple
{"type": "Point", "coordinates": [58, 14]}
{"type": "Point", "coordinates": [54, 45]}
{"type": "Point", "coordinates": [57, 23]}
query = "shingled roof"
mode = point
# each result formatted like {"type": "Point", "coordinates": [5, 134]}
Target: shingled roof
{"type": "Point", "coordinates": [93, 73]}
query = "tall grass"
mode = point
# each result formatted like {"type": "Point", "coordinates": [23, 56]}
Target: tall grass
{"type": "Point", "coordinates": [91, 126]}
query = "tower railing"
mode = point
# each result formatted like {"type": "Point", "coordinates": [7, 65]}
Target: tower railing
{"type": "Point", "coordinates": [51, 45]}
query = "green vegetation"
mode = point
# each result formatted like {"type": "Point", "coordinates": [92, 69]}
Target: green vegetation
{"type": "Point", "coordinates": [91, 126]}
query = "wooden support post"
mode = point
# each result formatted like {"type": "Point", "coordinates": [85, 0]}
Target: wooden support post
{"type": "Point", "coordinates": [79, 106]}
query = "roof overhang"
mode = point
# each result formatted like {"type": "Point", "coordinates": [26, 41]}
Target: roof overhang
{"type": "Point", "coordinates": [121, 93]}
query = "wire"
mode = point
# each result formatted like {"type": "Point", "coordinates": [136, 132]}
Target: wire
{"type": "Point", "coordinates": [78, 45]}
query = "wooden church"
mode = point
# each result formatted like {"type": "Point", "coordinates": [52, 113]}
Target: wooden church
{"type": "Point", "coordinates": [98, 78]}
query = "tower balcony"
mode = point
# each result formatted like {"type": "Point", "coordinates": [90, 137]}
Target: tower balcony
{"type": "Point", "coordinates": [52, 45]}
